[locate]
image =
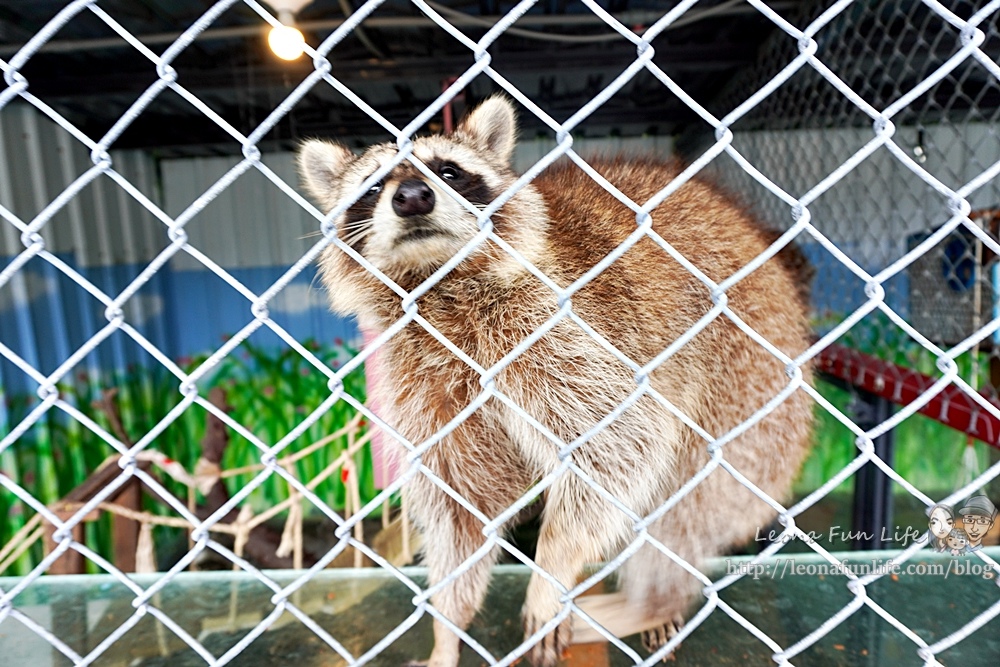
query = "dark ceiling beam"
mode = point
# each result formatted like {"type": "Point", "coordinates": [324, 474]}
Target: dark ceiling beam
{"type": "Point", "coordinates": [195, 135]}
{"type": "Point", "coordinates": [325, 27]}
{"type": "Point", "coordinates": [12, 26]}
{"type": "Point", "coordinates": [63, 83]}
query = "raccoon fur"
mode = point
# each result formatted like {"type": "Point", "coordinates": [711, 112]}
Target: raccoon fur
{"type": "Point", "coordinates": [563, 223]}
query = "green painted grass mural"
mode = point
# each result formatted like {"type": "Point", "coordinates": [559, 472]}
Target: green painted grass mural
{"type": "Point", "coordinates": [273, 391]}
{"type": "Point", "coordinates": [270, 393]}
{"type": "Point", "coordinates": [927, 453]}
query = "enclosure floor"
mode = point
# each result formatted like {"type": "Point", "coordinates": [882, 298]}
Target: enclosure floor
{"type": "Point", "coordinates": [359, 607]}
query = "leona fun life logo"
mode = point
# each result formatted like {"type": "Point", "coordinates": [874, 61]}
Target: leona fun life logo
{"type": "Point", "coordinates": [963, 531]}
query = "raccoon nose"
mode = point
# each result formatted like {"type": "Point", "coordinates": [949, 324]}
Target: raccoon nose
{"type": "Point", "coordinates": [414, 197]}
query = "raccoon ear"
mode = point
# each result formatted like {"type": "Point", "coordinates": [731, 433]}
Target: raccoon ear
{"type": "Point", "coordinates": [492, 126]}
{"type": "Point", "coordinates": [320, 164]}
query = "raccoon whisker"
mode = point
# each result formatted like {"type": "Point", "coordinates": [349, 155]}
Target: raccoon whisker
{"type": "Point", "coordinates": [355, 224]}
{"type": "Point", "coordinates": [350, 226]}
{"type": "Point", "coordinates": [474, 224]}
{"type": "Point", "coordinates": [352, 239]}
{"type": "Point", "coordinates": [483, 207]}
{"type": "Point", "coordinates": [356, 230]}
{"type": "Point", "coordinates": [350, 233]}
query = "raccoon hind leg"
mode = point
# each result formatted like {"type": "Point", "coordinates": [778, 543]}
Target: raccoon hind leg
{"type": "Point", "coordinates": [662, 589]}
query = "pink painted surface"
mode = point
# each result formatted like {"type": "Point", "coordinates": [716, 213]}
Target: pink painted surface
{"type": "Point", "coordinates": [384, 461]}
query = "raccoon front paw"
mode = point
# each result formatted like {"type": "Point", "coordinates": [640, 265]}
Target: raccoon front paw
{"type": "Point", "coordinates": [548, 650]}
{"type": "Point", "coordinates": [656, 638]}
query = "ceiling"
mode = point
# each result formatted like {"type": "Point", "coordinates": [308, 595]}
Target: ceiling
{"type": "Point", "coordinates": [398, 62]}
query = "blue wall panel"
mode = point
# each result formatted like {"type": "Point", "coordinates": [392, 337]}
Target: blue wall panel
{"type": "Point", "coordinates": [184, 313]}
{"type": "Point", "coordinates": [190, 312]}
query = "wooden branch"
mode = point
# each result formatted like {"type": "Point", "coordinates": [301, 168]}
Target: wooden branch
{"type": "Point", "coordinates": [263, 541]}
{"type": "Point", "coordinates": [216, 439]}
{"type": "Point", "coordinates": [109, 407]}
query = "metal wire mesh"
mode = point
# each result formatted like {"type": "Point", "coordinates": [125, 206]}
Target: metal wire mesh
{"type": "Point", "coordinates": [894, 55]}
{"type": "Point", "coordinates": [868, 144]}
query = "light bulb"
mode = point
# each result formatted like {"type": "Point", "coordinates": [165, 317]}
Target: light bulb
{"type": "Point", "coordinates": [286, 42]}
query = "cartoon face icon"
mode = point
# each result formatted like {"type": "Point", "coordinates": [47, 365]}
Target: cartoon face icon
{"type": "Point", "coordinates": [977, 519]}
{"type": "Point", "coordinates": [957, 540]}
{"type": "Point", "coordinates": [941, 521]}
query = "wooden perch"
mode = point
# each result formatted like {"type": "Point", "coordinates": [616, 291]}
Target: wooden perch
{"type": "Point", "coordinates": [216, 439]}
{"type": "Point", "coordinates": [128, 496]}
{"type": "Point", "coordinates": [252, 536]}
{"type": "Point", "coordinates": [951, 405]}
{"type": "Point", "coordinates": [126, 531]}
{"type": "Point", "coordinates": [262, 542]}
{"type": "Point", "coordinates": [615, 614]}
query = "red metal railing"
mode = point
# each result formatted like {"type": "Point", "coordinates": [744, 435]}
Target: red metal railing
{"type": "Point", "coordinates": [901, 385]}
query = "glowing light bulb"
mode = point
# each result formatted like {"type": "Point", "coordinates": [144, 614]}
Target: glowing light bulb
{"type": "Point", "coordinates": [286, 42]}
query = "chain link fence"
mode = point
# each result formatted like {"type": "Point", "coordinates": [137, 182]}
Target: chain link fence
{"type": "Point", "coordinates": [879, 159]}
{"type": "Point", "coordinates": [946, 125]}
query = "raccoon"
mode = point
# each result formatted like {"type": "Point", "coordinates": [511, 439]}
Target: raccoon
{"type": "Point", "coordinates": [587, 359]}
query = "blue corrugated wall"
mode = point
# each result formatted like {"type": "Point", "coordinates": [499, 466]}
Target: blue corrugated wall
{"type": "Point", "coordinates": [253, 231]}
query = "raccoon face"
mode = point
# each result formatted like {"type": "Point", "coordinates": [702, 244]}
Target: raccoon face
{"type": "Point", "coordinates": [406, 224]}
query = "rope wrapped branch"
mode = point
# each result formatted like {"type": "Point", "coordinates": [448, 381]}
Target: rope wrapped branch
{"type": "Point", "coordinates": [251, 534]}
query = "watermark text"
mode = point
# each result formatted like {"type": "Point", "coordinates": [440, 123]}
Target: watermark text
{"type": "Point", "coordinates": [782, 567]}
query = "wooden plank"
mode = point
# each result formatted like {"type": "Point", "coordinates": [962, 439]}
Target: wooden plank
{"type": "Point", "coordinates": [71, 562]}
{"type": "Point", "coordinates": [615, 614]}
{"type": "Point", "coordinates": [126, 531]}
{"type": "Point", "coordinates": [593, 653]}
{"type": "Point", "coordinates": [99, 479]}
